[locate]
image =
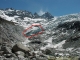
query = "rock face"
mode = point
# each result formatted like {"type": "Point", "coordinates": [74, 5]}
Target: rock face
{"type": "Point", "coordinates": [73, 30]}
{"type": "Point", "coordinates": [36, 15]}
{"type": "Point", "coordinates": [9, 35]}
{"type": "Point", "coordinates": [9, 32]}
{"type": "Point", "coordinates": [71, 25]}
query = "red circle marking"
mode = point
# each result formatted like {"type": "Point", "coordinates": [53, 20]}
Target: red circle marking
{"type": "Point", "coordinates": [33, 34]}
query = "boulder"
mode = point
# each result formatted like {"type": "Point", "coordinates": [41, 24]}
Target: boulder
{"type": "Point", "coordinates": [20, 47]}
{"type": "Point", "coordinates": [20, 53]}
{"type": "Point", "coordinates": [8, 55]}
{"type": "Point", "coordinates": [47, 52]}
{"type": "Point", "coordinates": [20, 57]}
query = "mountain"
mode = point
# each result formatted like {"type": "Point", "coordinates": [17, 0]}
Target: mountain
{"type": "Point", "coordinates": [61, 34]}
{"type": "Point", "coordinates": [36, 15]}
{"type": "Point", "coordinates": [23, 13]}
{"type": "Point", "coordinates": [47, 15]}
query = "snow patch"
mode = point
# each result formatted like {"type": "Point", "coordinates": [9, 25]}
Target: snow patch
{"type": "Point", "coordinates": [59, 45]}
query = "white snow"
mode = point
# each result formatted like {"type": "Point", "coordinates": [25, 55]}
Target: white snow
{"type": "Point", "coordinates": [2, 15]}
{"type": "Point", "coordinates": [59, 45]}
{"type": "Point", "coordinates": [25, 42]}
{"type": "Point", "coordinates": [69, 49]}
{"type": "Point", "coordinates": [47, 46]}
{"type": "Point", "coordinates": [10, 10]}
{"type": "Point", "coordinates": [34, 28]}
{"type": "Point", "coordinates": [27, 19]}
{"type": "Point", "coordinates": [49, 40]}
{"type": "Point", "coordinates": [51, 45]}
{"type": "Point", "coordinates": [62, 54]}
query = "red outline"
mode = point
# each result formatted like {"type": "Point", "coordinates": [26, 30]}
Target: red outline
{"type": "Point", "coordinates": [33, 34]}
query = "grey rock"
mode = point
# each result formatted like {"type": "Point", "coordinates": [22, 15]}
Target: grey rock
{"type": "Point", "coordinates": [20, 53]}
{"type": "Point", "coordinates": [7, 50]}
{"type": "Point", "coordinates": [20, 47]}
{"type": "Point", "coordinates": [41, 58]}
{"type": "Point", "coordinates": [1, 53]}
{"type": "Point", "coordinates": [14, 58]}
{"type": "Point", "coordinates": [20, 56]}
{"type": "Point", "coordinates": [34, 59]}
{"type": "Point", "coordinates": [8, 55]}
{"type": "Point", "coordinates": [47, 51]}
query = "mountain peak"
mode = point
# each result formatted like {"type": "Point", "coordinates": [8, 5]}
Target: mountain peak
{"type": "Point", "coordinates": [47, 15]}
{"type": "Point", "coordinates": [9, 9]}
{"type": "Point", "coordinates": [36, 15]}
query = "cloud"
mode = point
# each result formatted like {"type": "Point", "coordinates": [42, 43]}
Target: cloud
{"type": "Point", "coordinates": [41, 12]}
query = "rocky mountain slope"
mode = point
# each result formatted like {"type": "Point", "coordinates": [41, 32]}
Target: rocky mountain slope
{"type": "Point", "coordinates": [9, 31]}
{"type": "Point", "coordinates": [60, 38]}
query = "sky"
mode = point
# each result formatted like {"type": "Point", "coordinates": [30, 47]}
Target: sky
{"type": "Point", "coordinates": [55, 7]}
